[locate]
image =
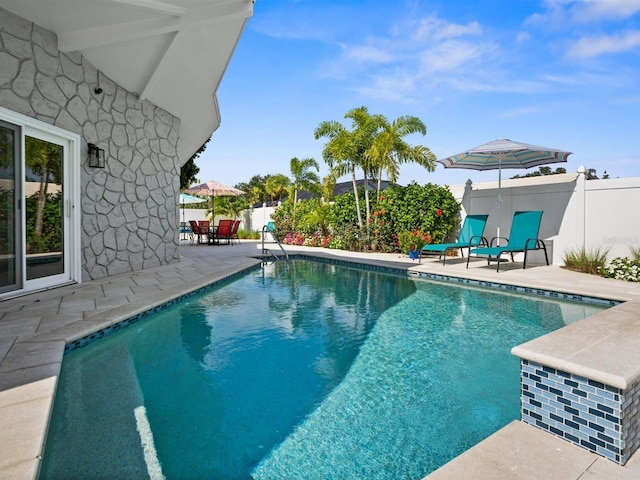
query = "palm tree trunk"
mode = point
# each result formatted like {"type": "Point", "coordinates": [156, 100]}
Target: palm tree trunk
{"type": "Point", "coordinates": [295, 203]}
{"type": "Point", "coordinates": [379, 189]}
{"type": "Point", "coordinates": [42, 197]}
{"type": "Point", "coordinates": [355, 192]}
{"type": "Point", "coordinates": [366, 195]}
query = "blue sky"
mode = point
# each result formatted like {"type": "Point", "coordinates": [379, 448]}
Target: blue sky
{"type": "Point", "coordinates": [558, 73]}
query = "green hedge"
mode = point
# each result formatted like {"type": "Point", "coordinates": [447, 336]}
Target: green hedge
{"type": "Point", "coordinates": [430, 208]}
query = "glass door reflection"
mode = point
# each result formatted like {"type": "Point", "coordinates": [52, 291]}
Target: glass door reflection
{"type": "Point", "coordinates": [43, 199]}
{"type": "Point", "coordinates": [10, 261]}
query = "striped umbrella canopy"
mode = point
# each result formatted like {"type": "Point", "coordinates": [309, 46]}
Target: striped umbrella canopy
{"type": "Point", "coordinates": [213, 189]}
{"type": "Point", "coordinates": [504, 153]}
{"type": "Point", "coordinates": [186, 199]}
{"type": "Point", "coordinates": [501, 154]}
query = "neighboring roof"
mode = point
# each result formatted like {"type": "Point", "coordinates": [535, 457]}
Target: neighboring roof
{"type": "Point", "coordinates": [172, 53]}
{"type": "Point", "coordinates": [347, 187]}
{"type": "Point", "coordinates": [30, 188]}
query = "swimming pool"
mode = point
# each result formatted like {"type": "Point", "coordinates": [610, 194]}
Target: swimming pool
{"type": "Point", "coordinates": [299, 370]}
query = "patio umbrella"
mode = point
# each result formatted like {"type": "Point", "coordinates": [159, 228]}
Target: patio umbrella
{"type": "Point", "coordinates": [213, 189]}
{"type": "Point", "coordinates": [186, 199]}
{"type": "Point", "coordinates": [501, 154]}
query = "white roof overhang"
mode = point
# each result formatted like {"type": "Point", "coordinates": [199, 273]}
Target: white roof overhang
{"type": "Point", "coordinates": [172, 53]}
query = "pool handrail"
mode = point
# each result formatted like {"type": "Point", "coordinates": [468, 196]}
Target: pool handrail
{"type": "Point", "coordinates": [270, 228]}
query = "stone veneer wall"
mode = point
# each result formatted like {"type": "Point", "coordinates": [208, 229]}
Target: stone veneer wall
{"type": "Point", "coordinates": [129, 215]}
{"type": "Point", "coordinates": [598, 417]}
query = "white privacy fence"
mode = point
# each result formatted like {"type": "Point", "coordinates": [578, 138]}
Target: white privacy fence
{"type": "Point", "coordinates": [251, 220]}
{"type": "Point", "coordinates": [577, 212]}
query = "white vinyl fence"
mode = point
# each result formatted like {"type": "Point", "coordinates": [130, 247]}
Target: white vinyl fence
{"type": "Point", "coordinates": [252, 220]}
{"type": "Point", "coordinates": [577, 212]}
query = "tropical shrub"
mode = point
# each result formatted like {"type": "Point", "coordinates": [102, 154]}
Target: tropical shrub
{"type": "Point", "coordinates": [622, 269]}
{"type": "Point", "coordinates": [595, 261]}
{"type": "Point", "coordinates": [287, 220]}
{"type": "Point", "coordinates": [50, 238]}
{"type": "Point", "coordinates": [586, 260]}
{"type": "Point", "coordinates": [413, 240]}
{"type": "Point", "coordinates": [250, 235]}
{"type": "Point", "coordinates": [431, 209]}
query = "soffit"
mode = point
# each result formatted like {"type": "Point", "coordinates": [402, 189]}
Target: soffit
{"type": "Point", "coordinates": [172, 53]}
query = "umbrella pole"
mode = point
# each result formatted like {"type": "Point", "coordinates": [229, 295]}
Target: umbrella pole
{"type": "Point", "coordinates": [499, 200]}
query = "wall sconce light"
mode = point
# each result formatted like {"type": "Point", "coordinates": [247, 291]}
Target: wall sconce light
{"type": "Point", "coordinates": [96, 156]}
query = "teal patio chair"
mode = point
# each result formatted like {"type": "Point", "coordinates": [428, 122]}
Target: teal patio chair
{"type": "Point", "coordinates": [470, 236]}
{"type": "Point", "coordinates": [522, 238]}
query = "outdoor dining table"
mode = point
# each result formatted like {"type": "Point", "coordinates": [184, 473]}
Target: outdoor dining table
{"type": "Point", "coordinates": [213, 231]}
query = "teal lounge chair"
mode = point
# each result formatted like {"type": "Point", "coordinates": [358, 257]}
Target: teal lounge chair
{"type": "Point", "coordinates": [470, 236]}
{"type": "Point", "coordinates": [522, 238]}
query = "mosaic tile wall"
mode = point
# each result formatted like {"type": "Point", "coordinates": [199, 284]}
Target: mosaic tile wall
{"type": "Point", "coordinates": [598, 417]}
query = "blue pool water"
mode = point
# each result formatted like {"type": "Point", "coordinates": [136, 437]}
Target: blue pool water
{"type": "Point", "coordinates": [305, 371]}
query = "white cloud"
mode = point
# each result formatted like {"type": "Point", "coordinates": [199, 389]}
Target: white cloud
{"type": "Point", "coordinates": [366, 53]}
{"type": "Point", "coordinates": [433, 28]}
{"type": "Point", "coordinates": [558, 13]}
{"type": "Point", "coordinates": [395, 88]}
{"type": "Point", "coordinates": [555, 14]}
{"type": "Point", "coordinates": [420, 53]}
{"type": "Point", "coordinates": [452, 55]}
{"type": "Point", "coordinates": [596, 10]}
{"type": "Point", "coordinates": [593, 46]}
{"type": "Point", "coordinates": [570, 80]}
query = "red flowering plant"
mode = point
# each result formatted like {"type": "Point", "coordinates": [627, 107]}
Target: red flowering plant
{"type": "Point", "coordinates": [379, 228]}
{"type": "Point", "coordinates": [413, 240]}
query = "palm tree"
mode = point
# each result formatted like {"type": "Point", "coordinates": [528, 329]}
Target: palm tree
{"type": "Point", "coordinates": [303, 178]}
{"type": "Point", "coordinates": [232, 206]}
{"type": "Point", "coordinates": [277, 185]}
{"type": "Point", "coordinates": [328, 186]}
{"type": "Point", "coordinates": [366, 128]}
{"type": "Point", "coordinates": [345, 149]}
{"type": "Point", "coordinates": [339, 154]}
{"type": "Point", "coordinates": [389, 150]}
{"type": "Point", "coordinates": [255, 194]}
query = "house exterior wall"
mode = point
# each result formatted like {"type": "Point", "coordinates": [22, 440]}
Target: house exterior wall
{"type": "Point", "coordinates": [129, 209]}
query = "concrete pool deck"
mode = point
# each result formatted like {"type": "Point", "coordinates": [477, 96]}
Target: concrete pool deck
{"type": "Point", "coordinates": [34, 329]}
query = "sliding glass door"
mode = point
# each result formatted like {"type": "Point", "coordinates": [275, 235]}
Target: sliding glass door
{"type": "Point", "coordinates": [9, 202]}
{"type": "Point", "coordinates": [44, 207]}
{"type": "Point", "coordinates": [38, 226]}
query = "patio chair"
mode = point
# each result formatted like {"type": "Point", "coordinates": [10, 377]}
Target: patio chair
{"type": "Point", "coordinates": [470, 236]}
{"type": "Point", "coordinates": [223, 232]}
{"type": "Point", "coordinates": [185, 231]}
{"type": "Point", "coordinates": [270, 227]}
{"type": "Point", "coordinates": [199, 231]}
{"type": "Point", "coordinates": [234, 231]}
{"type": "Point", "coordinates": [522, 238]}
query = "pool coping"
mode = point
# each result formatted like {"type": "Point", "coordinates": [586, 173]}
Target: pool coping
{"type": "Point", "coordinates": [32, 343]}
